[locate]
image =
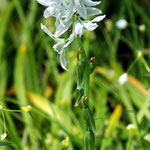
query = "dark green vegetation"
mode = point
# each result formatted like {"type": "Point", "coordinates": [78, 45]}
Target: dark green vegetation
{"type": "Point", "coordinates": [30, 74]}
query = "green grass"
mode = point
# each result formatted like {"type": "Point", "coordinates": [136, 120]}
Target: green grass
{"type": "Point", "coordinates": [30, 68]}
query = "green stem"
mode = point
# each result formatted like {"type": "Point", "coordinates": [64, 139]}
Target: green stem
{"type": "Point", "coordinates": [129, 141]}
{"type": "Point", "coordinates": [40, 133]}
{"type": "Point", "coordinates": [145, 64]}
{"type": "Point", "coordinates": [10, 110]}
{"type": "Point", "coordinates": [132, 64]}
{"type": "Point", "coordinates": [4, 121]}
{"type": "Point", "coordinates": [86, 74]}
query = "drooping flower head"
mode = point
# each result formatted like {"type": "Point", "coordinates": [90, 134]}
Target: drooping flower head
{"type": "Point", "coordinates": [70, 13]}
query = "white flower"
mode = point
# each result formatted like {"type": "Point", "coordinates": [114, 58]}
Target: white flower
{"type": "Point", "coordinates": [142, 28]}
{"type": "Point", "coordinates": [3, 136]}
{"type": "Point", "coordinates": [131, 127]}
{"type": "Point", "coordinates": [121, 24]}
{"type": "Point", "coordinates": [54, 9]}
{"type": "Point", "coordinates": [50, 11]}
{"type": "Point", "coordinates": [69, 14]}
{"type": "Point", "coordinates": [59, 46]}
{"type": "Point", "coordinates": [123, 78]}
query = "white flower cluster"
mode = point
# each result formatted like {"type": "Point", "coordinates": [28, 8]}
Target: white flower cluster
{"type": "Point", "coordinates": [70, 14]}
{"type": "Point", "coordinates": [3, 136]}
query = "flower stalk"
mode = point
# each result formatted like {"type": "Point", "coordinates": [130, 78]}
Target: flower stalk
{"type": "Point", "coordinates": [86, 73]}
{"type": "Point", "coordinates": [89, 137]}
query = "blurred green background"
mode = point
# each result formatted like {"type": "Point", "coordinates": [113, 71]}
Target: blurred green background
{"type": "Point", "coordinates": [30, 74]}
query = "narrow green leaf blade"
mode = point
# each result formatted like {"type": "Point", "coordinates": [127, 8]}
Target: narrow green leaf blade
{"type": "Point", "coordinates": [4, 143]}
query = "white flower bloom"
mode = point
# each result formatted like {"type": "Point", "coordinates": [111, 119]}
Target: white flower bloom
{"type": "Point", "coordinates": [3, 136]}
{"type": "Point", "coordinates": [131, 127]}
{"type": "Point", "coordinates": [58, 47]}
{"type": "Point", "coordinates": [142, 28]}
{"type": "Point", "coordinates": [121, 24]}
{"type": "Point", "coordinates": [80, 8]}
{"type": "Point", "coordinates": [62, 28]}
{"type": "Point", "coordinates": [123, 78]}
{"type": "Point", "coordinates": [50, 11]}
{"type": "Point", "coordinates": [78, 28]}
{"type": "Point", "coordinates": [69, 14]}
{"type": "Point", "coordinates": [91, 25]}
{"type": "Point", "coordinates": [69, 40]}
{"type": "Point", "coordinates": [54, 9]}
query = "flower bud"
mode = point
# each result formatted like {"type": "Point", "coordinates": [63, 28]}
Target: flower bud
{"type": "Point", "coordinates": [65, 142]}
{"type": "Point", "coordinates": [27, 109]}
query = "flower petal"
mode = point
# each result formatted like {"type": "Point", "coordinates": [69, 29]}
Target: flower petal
{"type": "Point", "coordinates": [43, 27]}
{"type": "Point", "coordinates": [70, 11]}
{"type": "Point", "coordinates": [46, 2]}
{"type": "Point", "coordinates": [62, 28]}
{"type": "Point", "coordinates": [50, 11]}
{"type": "Point", "coordinates": [81, 9]}
{"type": "Point", "coordinates": [78, 27]}
{"type": "Point", "coordinates": [70, 39]}
{"type": "Point", "coordinates": [90, 26]}
{"type": "Point", "coordinates": [91, 11]}
{"type": "Point", "coordinates": [99, 18]}
{"type": "Point", "coordinates": [63, 60]}
{"type": "Point", "coordinates": [91, 3]}
{"type": "Point", "coordinates": [58, 47]}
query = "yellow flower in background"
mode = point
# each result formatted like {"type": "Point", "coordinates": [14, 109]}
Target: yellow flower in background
{"type": "Point", "coordinates": [1, 107]}
{"type": "Point", "coordinates": [27, 109]}
{"type": "Point", "coordinates": [140, 54]}
{"type": "Point", "coordinates": [108, 25]}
